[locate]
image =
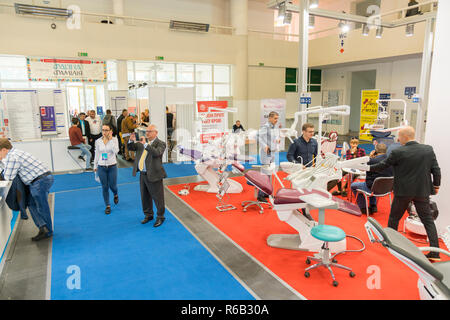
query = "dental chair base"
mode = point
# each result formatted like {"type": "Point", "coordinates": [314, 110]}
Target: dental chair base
{"type": "Point", "coordinates": [303, 240]}
{"type": "Point", "coordinates": [207, 172]}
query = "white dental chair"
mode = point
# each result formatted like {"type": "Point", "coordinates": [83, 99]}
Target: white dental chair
{"type": "Point", "coordinates": [434, 278]}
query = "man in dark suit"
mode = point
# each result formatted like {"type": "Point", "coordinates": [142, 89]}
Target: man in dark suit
{"type": "Point", "coordinates": [119, 128]}
{"type": "Point", "coordinates": [86, 133]}
{"type": "Point", "coordinates": [148, 161]}
{"type": "Point", "coordinates": [413, 166]}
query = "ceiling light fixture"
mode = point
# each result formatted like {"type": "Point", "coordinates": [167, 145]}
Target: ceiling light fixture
{"type": "Point", "coordinates": [313, 4]}
{"type": "Point", "coordinates": [410, 30]}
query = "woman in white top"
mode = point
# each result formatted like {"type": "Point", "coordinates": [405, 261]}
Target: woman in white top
{"type": "Point", "coordinates": [106, 149]}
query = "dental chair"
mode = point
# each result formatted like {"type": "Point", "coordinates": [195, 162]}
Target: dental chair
{"type": "Point", "coordinates": [260, 182]}
{"type": "Point", "coordinates": [434, 278]}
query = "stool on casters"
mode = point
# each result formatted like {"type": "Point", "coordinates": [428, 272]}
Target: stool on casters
{"type": "Point", "coordinates": [327, 234]}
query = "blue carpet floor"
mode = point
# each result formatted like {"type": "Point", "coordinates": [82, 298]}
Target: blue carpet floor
{"type": "Point", "coordinates": [119, 258]}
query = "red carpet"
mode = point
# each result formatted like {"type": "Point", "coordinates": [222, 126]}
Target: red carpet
{"type": "Point", "coordinates": [250, 230]}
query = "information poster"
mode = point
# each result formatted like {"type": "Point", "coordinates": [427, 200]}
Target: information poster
{"type": "Point", "coordinates": [279, 106]}
{"type": "Point", "coordinates": [48, 119]}
{"type": "Point", "coordinates": [4, 121]}
{"type": "Point", "coordinates": [214, 123]}
{"type": "Point", "coordinates": [369, 112]}
{"type": "Point", "coordinates": [59, 101]}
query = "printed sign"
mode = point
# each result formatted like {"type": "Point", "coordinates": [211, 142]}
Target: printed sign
{"type": "Point", "coordinates": [369, 112]}
{"type": "Point", "coordinates": [214, 123]}
{"type": "Point", "coordinates": [47, 69]}
{"type": "Point", "coordinates": [48, 119]}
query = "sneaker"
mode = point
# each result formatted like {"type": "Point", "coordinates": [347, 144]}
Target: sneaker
{"type": "Point", "coordinates": [373, 209]}
{"type": "Point", "coordinates": [43, 234]}
{"type": "Point", "coordinates": [89, 169]}
{"type": "Point", "coordinates": [363, 210]}
{"type": "Point", "coordinates": [81, 158]}
{"type": "Point", "coordinates": [260, 199]}
{"type": "Point", "coordinates": [433, 256]}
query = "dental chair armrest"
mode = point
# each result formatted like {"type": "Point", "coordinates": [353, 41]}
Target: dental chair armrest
{"type": "Point", "coordinates": [433, 249]}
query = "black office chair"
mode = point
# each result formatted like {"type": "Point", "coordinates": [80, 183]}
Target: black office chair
{"type": "Point", "coordinates": [434, 278]}
{"type": "Point", "coordinates": [381, 187]}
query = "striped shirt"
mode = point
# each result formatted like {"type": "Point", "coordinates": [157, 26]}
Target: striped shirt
{"type": "Point", "coordinates": [18, 162]}
{"type": "Point", "coordinates": [358, 154]}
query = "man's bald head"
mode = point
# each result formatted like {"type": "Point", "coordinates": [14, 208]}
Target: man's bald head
{"type": "Point", "coordinates": [406, 134]}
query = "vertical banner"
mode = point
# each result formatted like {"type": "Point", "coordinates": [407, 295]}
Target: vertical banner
{"type": "Point", "coordinates": [4, 121]}
{"type": "Point", "coordinates": [214, 122]}
{"type": "Point", "coordinates": [48, 119]}
{"type": "Point", "coordinates": [369, 112]}
{"type": "Point", "coordinates": [277, 105]}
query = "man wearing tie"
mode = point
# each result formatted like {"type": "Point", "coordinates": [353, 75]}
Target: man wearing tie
{"type": "Point", "coordinates": [148, 161]}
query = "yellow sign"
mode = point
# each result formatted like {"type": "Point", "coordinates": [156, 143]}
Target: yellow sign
{"type": "Point", "coordinates": [369, 112]}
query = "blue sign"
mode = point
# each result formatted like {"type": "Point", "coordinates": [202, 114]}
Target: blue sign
{"type": "Point", "coordinates": [385, 96]}
{"type": "Point", "coordinates": [410, 91]}
{"type": "Point", "coordinates": [100, 110]}
{"type": "Point", "coordinates": [305, 100]}
{"type": "Point", "coordinates": [416, 99]}
{"type": "Point", "coordinates": [48, 119]}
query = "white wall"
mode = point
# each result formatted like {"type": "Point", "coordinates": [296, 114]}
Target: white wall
{"type": "Point", "coordinates": [439, 111]}
{"type": "Point", "coordinates": [392, 77]}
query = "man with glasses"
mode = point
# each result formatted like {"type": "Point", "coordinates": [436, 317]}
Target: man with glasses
{"type": "Point", "coordinates": [149, 153]}
{"type": "Point", "coordinates": [304, 148]}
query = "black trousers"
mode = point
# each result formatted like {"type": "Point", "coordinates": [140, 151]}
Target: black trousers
{"type": "Point", "coordinates": [152, 191]}
{"type": "Point", "coordinates": [92, 144]}
{"type": "Point", "coordinates": [398, 208]}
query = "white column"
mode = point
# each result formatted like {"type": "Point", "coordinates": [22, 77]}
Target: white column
{"type": "Point", "coordinates": [239, 21]}
{"type": "Point", "coordinates": [303, 22]}
{"type": "Point", "coordinates": [118, 6]}
{"type": "Point", "coordinates": [439, 111]}
{"type": "Point", "coordinates": [122, 75]}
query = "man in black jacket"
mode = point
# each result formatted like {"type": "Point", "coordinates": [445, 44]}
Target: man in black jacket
{"type": "Point", "coordinates": [376, 156]}
{"type": "Point", "coordinates": [119, 128]}
{"type": "Point", "coordinates": [304, 149]}
{"type": "Point", "coordinates": [148, 161]}
{"type": "Point", "coordinates": [413, 165]}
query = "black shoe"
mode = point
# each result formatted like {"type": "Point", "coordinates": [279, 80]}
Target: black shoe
{"type": "Point", "coordinates": [108, 210]}
{"type": "Point", "coordinates": [344, 193]}
{"type": "Point", "coordinates": [363, 210]}
{"type": "Point", "coordinates": [373, 209]}
{"type": "Point", "coordinates": [147, 219]}
{"type": "Point", "coordinates": [158, 222]}
{"type": "Point", "coordinates": [81, 158]}
{"type": "Point", "coordinates": [336, 193]}
{"type": "Point", "coordinates": [261, 199]}
{"type": "Point", "coordinates": [42, 234]}
{"type": "Point", "coordinates": [116, 199]}
{"type": "Point", "coordinates": [88, 169]}
{"type": "Point", "coordinates": [433, 256]}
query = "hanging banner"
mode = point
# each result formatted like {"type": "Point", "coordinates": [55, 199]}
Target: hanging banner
{"type": "Point", "coordinates": [369, 112]}
{"type": "Point", "coordinates": [48, 119]}
{"type": "Point", "coordinates": [279, 106]}
{"type": "Point", "coordinates": [47, 69]}
{"type": "Point", "coordinates": [214, 123]}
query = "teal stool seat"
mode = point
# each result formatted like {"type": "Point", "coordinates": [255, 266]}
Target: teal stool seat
{"type": "Point", "coordinates": [328, 233]}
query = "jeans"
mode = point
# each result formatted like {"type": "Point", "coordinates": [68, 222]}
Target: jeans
{"type": "Point", "coordinates": [85, 150]}
{"type": "Point", "coordinates": [108, 179]}
{"type": "Point", "coordinates": [361, 200]}
{"type": "Point", "coordinates": [39, 207]}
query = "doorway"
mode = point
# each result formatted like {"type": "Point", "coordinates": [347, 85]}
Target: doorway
{"type": "Point", "coordinates": [361, 80]}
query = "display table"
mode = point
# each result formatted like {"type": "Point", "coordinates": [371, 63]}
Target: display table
{"type": "Point", "coordinates": [5, 216]}
{"type": "Point", "coordinates": [52, 152]}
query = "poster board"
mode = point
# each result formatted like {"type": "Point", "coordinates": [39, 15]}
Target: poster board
{"type": "Point", "coordinates": [32, 113]}
{"type": "Point", "coordinates": [118, 100]}
{"type": "Point", "coordinates": [369, 112]}
{"type": "Point", "coordinates": [213, 123]}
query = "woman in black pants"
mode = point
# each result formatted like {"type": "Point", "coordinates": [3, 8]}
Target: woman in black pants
{"type": "Point", "coordinates": [105, 164]}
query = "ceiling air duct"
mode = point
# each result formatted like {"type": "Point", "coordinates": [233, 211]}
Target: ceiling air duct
{"type": "Point", "coordinates": [189, 26]}
{"type": "Point", "coordinates": [26, 9]}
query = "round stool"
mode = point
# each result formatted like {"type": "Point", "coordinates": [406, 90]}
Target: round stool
{"type": "Point", "coordinates": [327, 234]}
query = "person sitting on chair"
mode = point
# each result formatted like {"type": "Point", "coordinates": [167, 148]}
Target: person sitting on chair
{"type": "Point", "coordinates": [354, 152]}
{"type": "Point", "coordinates": [377, 155]}
{"type": "Point", "coordinates": [77, 140]}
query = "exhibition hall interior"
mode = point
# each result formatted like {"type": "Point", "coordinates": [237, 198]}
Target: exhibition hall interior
{"type": "Point", "coordinates": [224, 150]}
